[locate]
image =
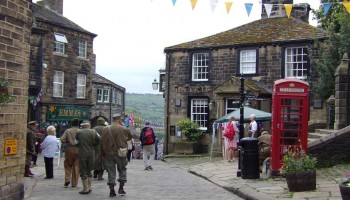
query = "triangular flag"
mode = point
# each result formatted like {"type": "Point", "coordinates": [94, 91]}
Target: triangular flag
{"type": "Point", "coordinates": [248, 7]}
{"type": "Point", "coordinates": [268, 8]}
{"type": "Point", "coordinates": [347, 6]}
{"type": "Point", "coordinates": [193, 3]}
{"type": "Point", "coordinates": [288, 8]}
{"type": "Point", "coordinates": [174, 2]}
{"type": "Point", "coordinates": [326, 7]}
{"type": "Point", "coordinates": [228, 6]}
{"type": "Point", "coordinates": [213, 4]}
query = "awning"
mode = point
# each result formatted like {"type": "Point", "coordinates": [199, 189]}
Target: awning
{"type": "Point", "coordinates": [260, 115]}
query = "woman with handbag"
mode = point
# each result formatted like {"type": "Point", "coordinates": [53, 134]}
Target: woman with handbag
{"type": "Point", "coordinates": [230, 139]}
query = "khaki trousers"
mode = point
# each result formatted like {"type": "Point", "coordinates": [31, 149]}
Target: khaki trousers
{"type": "Point", "coordinates": [71, 166]}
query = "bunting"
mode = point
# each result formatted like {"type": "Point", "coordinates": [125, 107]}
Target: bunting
{"type": "Point", "coordinates": [228, 6]}
{"type": "Point", "coordinates": [38, 98]}
{"type": "Point", "coordinates": [326, 7]}
{"type": "Point", "coordinates": [174, 2]}
{"type": "Point", "coordinates": [268, 9]}
{"type": "Point", "coordinates": [248, 7]}
{"type": "Point", "coordinates": [288, 8]}
{"type": "Point", "coordinates": [347, 6]}
{"type": "Point", "coordinates": [193, 3]}
{"type": "Point", "coordinates": [213, 4]}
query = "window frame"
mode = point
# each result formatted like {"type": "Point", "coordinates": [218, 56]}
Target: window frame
{"type": "Point", "coordinates": [207, 67]}
{"type": "Point", "coordinates": [82, 48]}
{"type": "Point", "coordinates": [61, 84]}
{"type": "Point", "coordinates": [205, 124]}
{"type": "Point", "coordinates": [239, 61]}
{"type": "Point", "coordinates": [100, 95]}
{"type": "Point", "coordinates": [305, 64]}
{"type": "Point", "coordinates": [106, 98]}
{"type": "Point", "coordinates": [59, 44]}
{"type": "Point", "coordinates": [81, 86]}
{"type": "Point", "coordinates": [231, 109]}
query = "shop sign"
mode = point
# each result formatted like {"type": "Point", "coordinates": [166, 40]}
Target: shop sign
{"type": "Point", "coordinates": [192, 89]}
{"type": "Point", "coordinates": [67, 112]}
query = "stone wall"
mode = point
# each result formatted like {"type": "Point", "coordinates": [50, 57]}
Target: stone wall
{"type": "Point", "coordinates": [15, 20]}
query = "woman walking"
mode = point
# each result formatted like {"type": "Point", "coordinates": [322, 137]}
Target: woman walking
{"type": "Point", "coordinates": [231, 143]}
{"type": "Point", "coordinates": [49, 147]}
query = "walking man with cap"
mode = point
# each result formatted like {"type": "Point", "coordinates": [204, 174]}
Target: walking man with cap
{"type": "Point", "coordinates": [87, 140]}
{"type": "Point", "coordinates": [98, 164]}
{"type": "Point", "coordinates": [113, 146]}
{"type": "Point", "coordinates": [71, 162]}
{"type": "Point", "coordinates": [30, 147]}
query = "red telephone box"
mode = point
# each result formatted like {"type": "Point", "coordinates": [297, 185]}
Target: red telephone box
{"type": "Point", "coordinates": [290, 116]}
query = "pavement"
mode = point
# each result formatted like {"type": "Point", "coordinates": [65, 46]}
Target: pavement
{"type": "Point", "coordinates": [224, 174]}
{"type": "Point", "coordinates": [166, 181]}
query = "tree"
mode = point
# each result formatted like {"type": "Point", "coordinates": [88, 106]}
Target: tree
{"type": "Point", "coordinates": [330, 51]}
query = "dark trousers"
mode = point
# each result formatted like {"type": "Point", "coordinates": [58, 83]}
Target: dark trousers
{"type": "Point", "coordinates": [128, 156]}
{"type": "Point", "coordinates": [48, 167]}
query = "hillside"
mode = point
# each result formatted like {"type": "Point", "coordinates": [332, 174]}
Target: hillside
{"type": "Point", "coordinates": [147, 106]}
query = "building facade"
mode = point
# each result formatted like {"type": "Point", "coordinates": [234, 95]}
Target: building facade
{"type": "Point", "coordinates": [205, 73]}
{"type": "Point", "coordinates": [15, 30]}
{"type": "Point", "coordinates": [108, 98]}
{"type": "Point", "coordinates": [62, 68]}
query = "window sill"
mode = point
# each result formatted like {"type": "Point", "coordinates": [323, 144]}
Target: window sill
{"type": "Point", "coordinates": [60, 54]}
{"type": "Point", "coordinates": [82, 58]}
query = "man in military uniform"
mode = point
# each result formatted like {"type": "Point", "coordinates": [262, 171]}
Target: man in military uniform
{"type": "Point", "coordinates": [264, 146]}
{"type": "Point", "coordinates": [30, 148]}
{"type": "Point", "coordinates": [87, 139]}
{"type": "Point", "coordinates": [71, 162]}
{"type": "Point", "coordinates": [115, 137]}
{"type": "Point", "coordinates": [98, 164]}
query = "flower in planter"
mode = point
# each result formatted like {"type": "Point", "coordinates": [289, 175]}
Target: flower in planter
{"type": "Point", "coordinates": [296, 160]}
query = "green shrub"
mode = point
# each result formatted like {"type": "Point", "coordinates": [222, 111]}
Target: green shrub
{"type": "Point", "coordinates": [189, 129]}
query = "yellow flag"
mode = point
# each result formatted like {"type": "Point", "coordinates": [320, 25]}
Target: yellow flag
{"type": "Point", "coordinates": [288, 8]}
{"type": "Point", "coordinates": [347, 6]}
{"type": "Point", "coordinates": [228, 6]}
{"type": "Point", "coordinates": [193, 3]}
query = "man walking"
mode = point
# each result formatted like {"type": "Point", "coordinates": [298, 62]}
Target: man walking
{"type": "Point", "coordinates": [87, 139]}
{"type": "Point", "coordinates": [114, 149]}
{"type": "Point", "coordinates": [147, 138]}
{"type": "Point", "coordinates": [71, 162]}
{"type": "Point", "coordinates": [30, 148]}
{"type": "Point", "coordinates": [98, 164]}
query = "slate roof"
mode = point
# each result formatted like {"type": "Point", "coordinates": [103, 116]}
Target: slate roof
{"type": "Point", "coordinates": [46, 15]}
{"type": "Point", "coordinates": [263, 31]}
{"type": "Point", "coordinates": [96, 77]}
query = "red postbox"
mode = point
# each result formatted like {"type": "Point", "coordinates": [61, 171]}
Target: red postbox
{"type": "Point", "coordinates": [290, 116]}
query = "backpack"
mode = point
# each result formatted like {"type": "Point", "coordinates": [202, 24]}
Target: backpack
{"type": "Point", "coordinates": [148, 138]}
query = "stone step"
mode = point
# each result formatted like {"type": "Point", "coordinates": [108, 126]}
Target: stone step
{"type": "Point", "coordinates": [325, 131]}
{"type": "Point", "coordinates": [315, 135]}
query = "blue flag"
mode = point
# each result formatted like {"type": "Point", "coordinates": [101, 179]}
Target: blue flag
{"type": "Point", "coordinates": [174, 2]}
{"type": "Point", "coordinates": [326, 7]}
{"type": "Point", "coordinates": [248, 7]}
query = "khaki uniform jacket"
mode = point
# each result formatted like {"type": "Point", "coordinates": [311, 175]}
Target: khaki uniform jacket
{"type": "Point", "coordinates": [114, 137]}
{"type": "Point", "coordinates": [87, 140]}
{"type": "Point", "coordinates": [68, 137]}
{"type": "Point", "coordinates": [98, 157]}
{"type": "Point", "coordinates": [31, 139]}
{"type": "Point", "coordinates": [265, 143]}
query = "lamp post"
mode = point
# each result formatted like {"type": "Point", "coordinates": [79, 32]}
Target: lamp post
{"type": "Point", "coordinates": [241, 121]}
{"type": "Point", "coordinates": [155, 84]}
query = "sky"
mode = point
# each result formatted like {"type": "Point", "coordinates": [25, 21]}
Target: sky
{"type": "Point", "coordinates": [132, 34]}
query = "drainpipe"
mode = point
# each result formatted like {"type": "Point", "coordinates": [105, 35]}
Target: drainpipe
{"type": "Point", "coordinates": [166, 134]}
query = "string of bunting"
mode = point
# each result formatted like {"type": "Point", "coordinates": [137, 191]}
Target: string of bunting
{"type": "Point", "coordinates": [268, 7]}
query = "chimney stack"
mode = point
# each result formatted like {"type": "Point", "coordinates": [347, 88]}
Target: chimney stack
{"type": "Point", "coordinates": [54, 5]}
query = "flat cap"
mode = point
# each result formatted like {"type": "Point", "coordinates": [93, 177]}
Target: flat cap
{"type": "Point", "coordinates": [85, 123]}
{"type": "Point", "coordinates": [117, 115]}
{"type": "Point", "coordinates": [32, 123]}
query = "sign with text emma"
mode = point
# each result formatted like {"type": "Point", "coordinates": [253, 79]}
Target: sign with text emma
{"type": "Point", "coordinates": [67, 112]}
{"type": "Point", "coordinates": [10, 147]}
{"type": "Point", "coordinates": [192, 89]}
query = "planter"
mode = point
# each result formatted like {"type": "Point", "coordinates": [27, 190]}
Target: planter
{"type": "Point", "coordinates": [301, 181]}
{"type": "Point", "coordinates": [187, 148]}
{"type": "Point", "coordinates": [344, 191]}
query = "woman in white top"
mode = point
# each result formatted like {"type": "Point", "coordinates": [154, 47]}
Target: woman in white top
{"type": "Point", "coordinates": [49, 147]}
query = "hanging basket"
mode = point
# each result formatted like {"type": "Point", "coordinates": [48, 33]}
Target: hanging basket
{"type": "Point", "coordinates": [344, 190]}
{"type": "Point", "coordinates": [301, 181]}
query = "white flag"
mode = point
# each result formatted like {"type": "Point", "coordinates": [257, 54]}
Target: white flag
{"type": "Point", "coordinates": [213, 4]}
{"type": "Point", "coordinates": [268, 8]}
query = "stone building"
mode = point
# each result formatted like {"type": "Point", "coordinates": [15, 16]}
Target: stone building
{"type": "Point", "coordinates": [205, 72]}
{"type": "Point", "coordinates": [15, 30]}
{"type": "Point", "coordinates": [107, 97]}
{"type": "Point", "coordinates": [62, 67]}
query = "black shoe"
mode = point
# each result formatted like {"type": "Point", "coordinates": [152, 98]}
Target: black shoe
{"type": "Point", "coordinates": [112, 193]}
{"type": "Point", "coordinates": [48, 178]}
{"type": "Point", "coordinates": [121, 191]}
{"type": "Point", "coordinates": [150, 168]}
{"type": "Point", "coordinates": [66, 184]}
{"type": "Point", "coordinates": [100, 179]}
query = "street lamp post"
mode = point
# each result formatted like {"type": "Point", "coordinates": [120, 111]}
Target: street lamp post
{"type": "Point", "coordinates": [155, 84]}
{"type": "Point", "coordinates": [241, 121]}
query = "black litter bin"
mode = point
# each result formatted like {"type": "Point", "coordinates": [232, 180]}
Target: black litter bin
{"type": "Point", "coordinates": [250, 158]}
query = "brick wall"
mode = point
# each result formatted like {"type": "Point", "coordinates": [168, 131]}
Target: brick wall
{"type": "Point", "coordinates": [15, 20]}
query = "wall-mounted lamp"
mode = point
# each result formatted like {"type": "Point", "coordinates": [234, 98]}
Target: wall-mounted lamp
{"type": "Point", "coordinates": [44, 65]}
{"type": "Point", "coordinates": [211, 105]}
{"type": "Point", "coordinates": [155, 84]}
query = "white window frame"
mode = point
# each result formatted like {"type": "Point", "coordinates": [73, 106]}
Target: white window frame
{"type": "Point", "coordinates": [230, 109]}
{"type": "Point", "coordinates": [58, 84]}
{"type": "Point", "coordinates": [106, 95]}
{"type": "Point", "coordinates": [296, 61]}
{"type": "Point", "coordinates": [99, 95]}
{"type": "Point", "coordinates": [82, 48]}
{"type": "Point", "coordinates": [199, 106]}
{"type": "Point", "coordinates": [248, 63]}
{"type": "Point", "coordinates": [81, 86]}
{"type": "Point", "coordinates": [60, 41]}
{"type": "Point", "coordinates": [200, 67]}
{"type": "Point", "coordinates": [119, 99]}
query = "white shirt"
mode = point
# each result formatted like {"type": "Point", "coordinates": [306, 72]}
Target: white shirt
{"type": "Point", "coordinates": [49, 146]}
{"type": "Point", "coordinates": [254, 127]}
